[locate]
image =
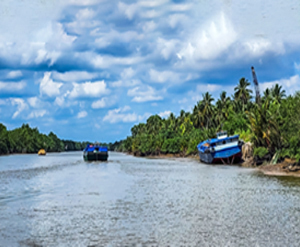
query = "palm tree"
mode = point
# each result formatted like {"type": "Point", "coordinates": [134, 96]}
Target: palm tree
{"type": "Point", "coordinates": [242, 93]}
{"type": "Point", "coordinates": [265, 127]}
{"type": "Point", "coordinates": [154, 124]}
{"type": "Point", "coordinates": [277, 93]}
{"type": "Point", "coordinates": [222, 106]}
{"type": "Point", "coordinates": [138, 129]}
{"type": "Point", "coordinates": [172, 122]}
{"type": "Point", "coordinates": [197, 115]}
{"type": "Point", "coordinates": [207, 108]}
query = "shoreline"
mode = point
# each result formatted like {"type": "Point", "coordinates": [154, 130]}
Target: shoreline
{"type": "Point", "coordinates": [284, 169]}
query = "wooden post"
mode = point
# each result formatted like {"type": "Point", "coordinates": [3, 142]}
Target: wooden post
{"type": "Point", "coordinates": [232, 159]}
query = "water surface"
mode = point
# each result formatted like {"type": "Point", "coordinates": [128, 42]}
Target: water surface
{"type": "Point", "coordinates": [60, 200]}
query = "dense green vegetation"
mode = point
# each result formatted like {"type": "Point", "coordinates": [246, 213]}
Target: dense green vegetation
{"type": "Point", "coordinates": [29, 140]}
{"type": "Point", "coordinates": [272, 126]}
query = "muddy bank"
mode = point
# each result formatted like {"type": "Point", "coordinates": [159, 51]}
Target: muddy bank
{"type": "Point", "coordinates": [287, 167]}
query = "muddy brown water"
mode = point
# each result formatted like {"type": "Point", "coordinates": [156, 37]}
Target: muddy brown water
{"type": "Point", "coordinates": [60, 200]}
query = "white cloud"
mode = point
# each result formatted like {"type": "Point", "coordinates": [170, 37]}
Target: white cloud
{"type": "Point", "coordinates": [258, 47]}
{"type": "Point", "coordinates": [208, 88]}
{"type": "Point", "coordinates": [45, 45]}
{"type": "Point", "coordinates": [127, 73]}
{"type": "Point", "coordinates": [104, 62]}
{"type": "Point", "coordinates": [290, 85]}
{"type": "Point", "coordinates": [37, 114]}
{"type": "Point", "coordinates": [181, 7]}
{"type": "Point", "coordinates": [74, 76]}
{"type": "Point", "coordinates": [297, 66]}
{"type": "Point", "coordinates": [149, 26]}
{"type": "Point", "coordinates": [14, 74]}
{"type": "Point", "coordinates": [125, 83]}
{"type": "Point", "coordinates": [34, 102]}
{"type": "Point", "coordinates": [82, 114]}
{"type": "Point", "coordinates": [107, 38]}
{"type": "Point", "coordinates": [152, 4]}
{"type": "Point", "coordinates": [211, 40]}
{"type": "Point", "coordinates": [12, 86]}
{"type": "Point", "coordinates": [167, 48]}
{"type": "Point", "coordinates": [21, 105]}
{"type": "Point", "coordinates": [54, 33]}
{"type": "Point", "coordinates": [164, 76]}
{"type": "Point", "coordinates": [129, 10]}
{"type": "Point", "coordinates": [85, 14]}
{"type": "Point", "coordinates": [49, 87]}
{"type": "Point", "coordinates": [120, 115]}
{"type": "Point", "coordinates": [84, 2]}
{"type": "Point", "coordinates": [144, 94]}
{"type": "Point", "coordinates": [101, 103]}
{"type": "Point", "coordinates": [151, 14]}
{"type": "Point", "coordinates": [176, 19]}
{"type": "Point", "coordinates": [89, 89]}
{"type": "Point", "coordinates": [164, 114]}
{"type": "Point", "coordinates": [60, 100]}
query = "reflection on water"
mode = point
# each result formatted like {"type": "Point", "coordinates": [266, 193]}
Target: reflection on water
{"type": "Point", "coordinates": [60, 200]}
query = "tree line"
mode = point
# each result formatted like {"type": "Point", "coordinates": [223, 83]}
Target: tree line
{"type": "Point", "coordinates": [272, 125]}
{"type": "Point", "coordinates": [30, 140]}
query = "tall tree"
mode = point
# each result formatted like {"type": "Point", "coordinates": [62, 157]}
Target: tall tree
{"type": "Point", "coordinates": [207, 109]}
{"type": "Point", "coordinates": [277, 93]}
{"type": "Point", "coordinates": [242, 93]}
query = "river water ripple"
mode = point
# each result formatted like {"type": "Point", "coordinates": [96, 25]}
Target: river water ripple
{"type": "Point", "coordinates": [60, 200]}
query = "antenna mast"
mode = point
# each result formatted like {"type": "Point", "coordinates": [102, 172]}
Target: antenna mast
{"type": "Point", "coordinates": [257, 98]}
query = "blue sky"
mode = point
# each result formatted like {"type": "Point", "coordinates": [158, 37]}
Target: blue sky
{"type": "Point", "coordinates": [90, 70]}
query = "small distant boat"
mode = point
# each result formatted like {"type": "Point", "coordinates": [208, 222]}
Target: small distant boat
{"type": "Point", "coordinates": [42, 152]}
{"type": "Point", "coordinates": [224, 148]}
{"type": "Point", "coordinates": [94, 152]}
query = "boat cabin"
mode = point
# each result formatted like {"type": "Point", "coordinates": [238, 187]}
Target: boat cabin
{"type": "Point", "coordinates": [222, 134]}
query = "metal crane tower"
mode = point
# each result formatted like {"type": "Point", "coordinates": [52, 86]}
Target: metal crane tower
{"type": "Point", "coordinates": [257, 98]}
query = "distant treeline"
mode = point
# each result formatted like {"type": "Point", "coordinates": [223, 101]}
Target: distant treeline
{"type": "Point", "coordinates": [271, 124]}
{"type": "Point", "coordinates": [30, 140]}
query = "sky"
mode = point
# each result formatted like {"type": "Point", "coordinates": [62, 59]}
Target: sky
{"type": "Point", "coordinates": [89, 70]}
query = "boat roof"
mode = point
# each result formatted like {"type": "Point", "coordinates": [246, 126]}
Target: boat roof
{"type": "Point", "coordinates": [215, 140]}
{"type": "Point", "coordinates": [92, 147]}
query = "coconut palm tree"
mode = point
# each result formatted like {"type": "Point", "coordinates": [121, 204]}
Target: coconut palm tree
{"type": "Point", "coordinates": [265, 127]}
{"type": "Point", "coordinates": [242, 93]}
{"type": "Point", "coordinates": [207, 109]}
{"type": "Point", "coordinates": [222, 106]}
{"type": "Point", "coordinates": [154, 124]}
{"type": "Point", "coordinates": [197, 116]}
{"type": "Point", "coordinates": [277, 93]}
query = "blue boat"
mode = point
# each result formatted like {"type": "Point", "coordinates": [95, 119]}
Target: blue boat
{"type": "Point", "coordinates": [223, 149]}
{"type": "Point", "coordinates": [94, 152]}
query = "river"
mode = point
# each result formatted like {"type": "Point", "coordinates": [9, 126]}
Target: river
{"type": "Point", "coordinates": [60, 200]}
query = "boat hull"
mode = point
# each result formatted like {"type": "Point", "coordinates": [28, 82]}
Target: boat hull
{"type": "Point", "coordinates": [42, 152]}
{"type": "Point", "coordinates": [95, 156]}
{"type": "Point", "coordinates": [225, 156]}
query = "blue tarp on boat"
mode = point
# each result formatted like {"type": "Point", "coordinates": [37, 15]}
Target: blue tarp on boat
{"type": "Point", "coordinates": [92, 148]}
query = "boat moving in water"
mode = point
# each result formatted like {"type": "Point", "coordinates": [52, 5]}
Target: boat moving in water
{"type": "Point", "coordinates": [224, 148]}
{"type": "Point", "coordinates": [42, 152]}
{"type": "Point", "coordinates": [94, 152]}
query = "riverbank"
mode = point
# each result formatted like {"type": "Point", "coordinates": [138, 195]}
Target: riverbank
{"type": "Point", "coordinates": [286, 168]}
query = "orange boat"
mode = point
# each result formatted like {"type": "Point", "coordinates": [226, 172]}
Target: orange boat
{"type": "Point", "coordinates": [42, 152]}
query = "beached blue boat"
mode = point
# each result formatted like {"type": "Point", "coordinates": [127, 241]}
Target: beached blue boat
{"type": "Point", "coordinates": [94, 152]}
{"type": "Point", "coordinates": [223, 149]}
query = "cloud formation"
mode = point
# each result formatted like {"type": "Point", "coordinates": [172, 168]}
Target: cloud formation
{"type": "Point", "coordinates": [86, 60]}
